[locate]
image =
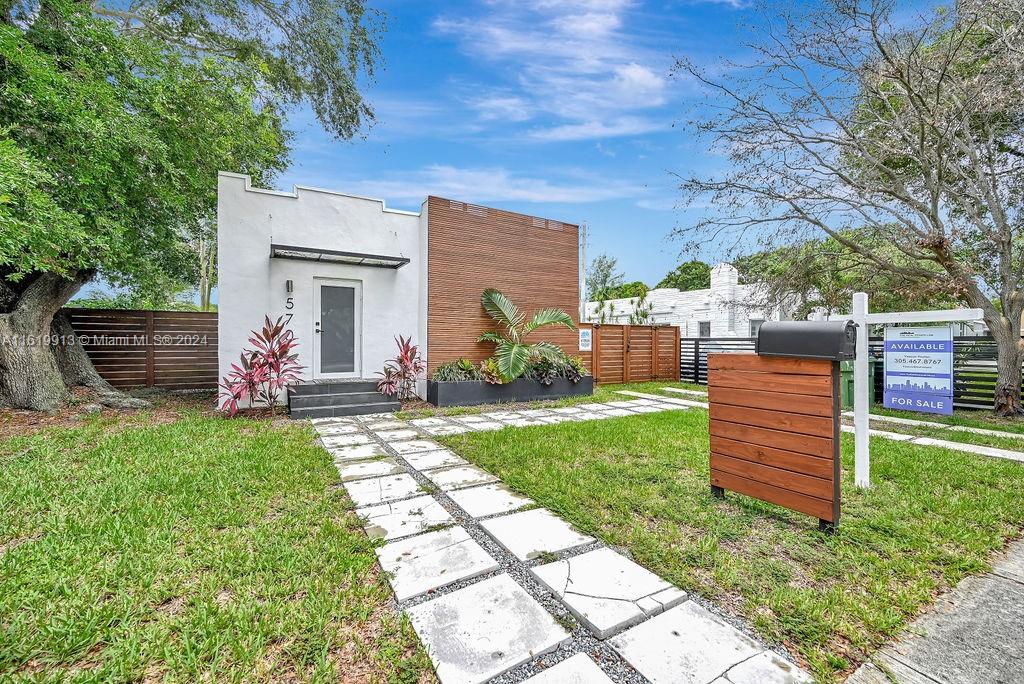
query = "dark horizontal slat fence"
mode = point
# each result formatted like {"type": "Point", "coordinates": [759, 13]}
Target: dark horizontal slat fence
{"type": "Point", "coordinates": [974, 362]}
{"type": "Point", "coordinates": [174, 350]}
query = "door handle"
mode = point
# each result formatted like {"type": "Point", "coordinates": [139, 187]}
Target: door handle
{"type": "Point", "coordinates": [317, 329]}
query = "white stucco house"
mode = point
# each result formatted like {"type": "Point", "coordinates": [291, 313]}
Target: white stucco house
{"type": "Point", "coordinates": [349, 274]}
{"type": "Point", "coordinates": [726, 309]}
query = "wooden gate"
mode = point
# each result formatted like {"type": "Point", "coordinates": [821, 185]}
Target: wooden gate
{"type": "Point", "coordinates": [774, 425]}
{"type": "Point", "coordinates": [633, 353]}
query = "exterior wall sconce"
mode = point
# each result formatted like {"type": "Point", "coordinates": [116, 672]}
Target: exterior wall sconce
{"type": "Point", "coordinates": [288, 286]}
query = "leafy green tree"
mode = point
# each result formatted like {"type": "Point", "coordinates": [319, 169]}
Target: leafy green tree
{"type": "Point", "coordinates": [602, 277]}
{"type": "Point", "coordinates": [823, 274]}
{"type": "Point", "coordinates": [634, 288]}
{"type": "Point", "coordinates": [112, 130]}
{"type": "Point", "coordinates": [845, 116]}
{"type": "Point", "coordinates": [689, 275]}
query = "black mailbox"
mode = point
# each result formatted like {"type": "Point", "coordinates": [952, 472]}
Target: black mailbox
{"type": "Point", "coordinates": [835, 340]}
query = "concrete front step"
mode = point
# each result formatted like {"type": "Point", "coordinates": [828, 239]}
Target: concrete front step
{"type": "Point", "coordinates": [298, 401]}
{"type": "Point", "coordinates": [332, 387]}
{"type": "Point", "coordinates": [382, 406]}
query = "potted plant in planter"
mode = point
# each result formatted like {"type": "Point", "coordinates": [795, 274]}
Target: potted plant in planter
{"type": "Point", "coordinates": [519, 370]}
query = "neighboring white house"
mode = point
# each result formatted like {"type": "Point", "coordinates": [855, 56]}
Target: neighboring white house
{"type": "Point", "coordinates": [726, 309]}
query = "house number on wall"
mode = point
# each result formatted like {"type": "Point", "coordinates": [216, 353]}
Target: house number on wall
{"type": "Point", "coordinates": [289, 304]}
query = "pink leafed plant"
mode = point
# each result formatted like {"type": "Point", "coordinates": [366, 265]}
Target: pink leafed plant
{"type": "Point", "coordinates": [400, 373]}
{"type": "Point", "coordinates": [265, 370]}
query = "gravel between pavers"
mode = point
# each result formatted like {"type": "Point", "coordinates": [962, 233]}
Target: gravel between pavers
{"type": "Point", "coordinates": [582, 640]}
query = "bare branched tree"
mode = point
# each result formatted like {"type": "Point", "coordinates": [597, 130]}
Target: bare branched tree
{"type": "Point", "coordinates": [912, 130]}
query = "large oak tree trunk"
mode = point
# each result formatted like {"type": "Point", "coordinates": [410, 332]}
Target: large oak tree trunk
{"type": "Point", "coordinates": [29, 374]}
{"type": "Point", "coordinates": [1006, 331]}
{"type": "Point", "coordinates": [40, 356]}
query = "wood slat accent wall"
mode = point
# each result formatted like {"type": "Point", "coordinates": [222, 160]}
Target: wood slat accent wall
{"type": "Point", "coordinates": [169, 349]}
{"type": "Point", "coordinates": [775, 431]}
{"type": "Point", "coordinates": [633, 353]}
{"type": "Point", "coordinates": [534, 261]}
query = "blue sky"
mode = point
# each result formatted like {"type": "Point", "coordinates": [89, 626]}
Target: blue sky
{"type": "Point", "coordinates": [564, 109]}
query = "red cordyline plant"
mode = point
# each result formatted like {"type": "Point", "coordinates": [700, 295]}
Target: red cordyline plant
{"type": "Point", "coordinates": [264, 371]}
{"type": "Point", "coordinates": [400, 373]}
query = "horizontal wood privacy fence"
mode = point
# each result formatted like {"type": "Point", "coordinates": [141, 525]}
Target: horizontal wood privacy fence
{"type": "Point", "coordinates": [974, 364]}
{"type": "Point", "coordinates": [169, 349]}
{"type": "Point", "coordinates": [774, 425]}
{"type": "Point", "coordinates": [633, 353]}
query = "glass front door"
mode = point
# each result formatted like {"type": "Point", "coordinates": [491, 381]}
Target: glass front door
{"type": "Point", "coordinates": [337, 335]}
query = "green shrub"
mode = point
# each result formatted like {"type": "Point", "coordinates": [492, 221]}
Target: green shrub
{"type": "Point", "coordinates": [460, 370]}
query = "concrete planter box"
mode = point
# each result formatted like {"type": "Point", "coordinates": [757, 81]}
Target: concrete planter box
{"type": "Point", "coordinates": [480, 392]}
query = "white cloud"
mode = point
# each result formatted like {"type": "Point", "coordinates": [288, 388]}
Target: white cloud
{"type": "Point", "coordinates": [491, 184]}
{"type": "Point", "coordinates": [574, 64]}
{"type": "Point", "coordinates": [503, 108]}
{"type": "Point", "coordinates": [589, 130]}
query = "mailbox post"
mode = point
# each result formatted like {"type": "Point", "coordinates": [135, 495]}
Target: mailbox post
{"type": "Point", "coordinates": [774, 417]}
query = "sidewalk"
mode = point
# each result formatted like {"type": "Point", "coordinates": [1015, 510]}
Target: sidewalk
{"type": "Point", "coordinates": [973, 635]}
{"type": "Point", "coordinates": [500, 590]}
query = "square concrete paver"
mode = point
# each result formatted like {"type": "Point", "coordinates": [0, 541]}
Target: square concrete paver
{"type": "Point", "coordinates": [386, 425]}
{"type": "Point", "coordinates": [684, 644]}
{"type": "Point", "coordinates": [607, 591]}
{"type": "Point", "coordinates": [337, 429]}
{"type": "Point", "coordinates": [618, 412]}
{"type": "Point", "coordinates": [458, 477]}
{"type": "Point", "coordinates": [535, 413]}
{"type": "Point", "coordinates": [488, 500]}
{"type": "Point", "coordinates": [358, 452]}
{"type": "Point", "coordinates": [432, 460]}
{"type": "Point", "coordinates": [483, 630]}
{"type": "Point", "coordinates": [432, 560]}
{"type": "Point", "coordinates": [766, 668]}
{"type": "Point", "coordinates": [502, 415]}
{"type": "Point", "coordinates": [360, 470]}
{"type": "Point", "coordinates": [579, 669]}
{"type": "Point", "coordinates": [402, 518]}
{"type": "Point", "coordinates": [381, 489]}
{"type": "Point", "coordinates": [486, 425]}
{"type": "Point", "coordinates": [448, 430]}
{"type": "Point", "coordinates": [413, 446]}
{"type": "Point", "coordinates": [530, 533]}
{"type": "Point", "coordinates": [429, 422]}
{"type": "Point", "coordinates": [524, 422]}
{"type": "Point", "coordinates": [398, 435]}
{"type": "Point", "coordinates": [333, 441]}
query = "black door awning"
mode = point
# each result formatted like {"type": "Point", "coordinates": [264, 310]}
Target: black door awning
{"type": "Point", "coordinates": [336, 257]}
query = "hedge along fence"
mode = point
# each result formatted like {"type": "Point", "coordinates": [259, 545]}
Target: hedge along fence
{"type": "Point", "coordinates": [974, 364]}
{"type": "Point", "coordinates": [632, 353]}
{"type": "Point", "coordinates": [175, 350]}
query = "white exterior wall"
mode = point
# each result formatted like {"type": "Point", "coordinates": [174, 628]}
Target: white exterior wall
{"type": "Point", "coordinates": [252, 285]}
{"type": "Point", "coordinates": [727, 305]}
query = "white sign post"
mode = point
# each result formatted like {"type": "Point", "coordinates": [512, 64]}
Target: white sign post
{"type": "Point", "coordinates": [861, 405]}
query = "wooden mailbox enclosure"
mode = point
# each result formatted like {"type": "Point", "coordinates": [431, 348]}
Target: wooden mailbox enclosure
{"type": "Point", "coordinates": [774, 425]}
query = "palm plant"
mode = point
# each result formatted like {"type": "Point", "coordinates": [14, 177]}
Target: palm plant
{"type": "Point", "coordinates": [512, 352]}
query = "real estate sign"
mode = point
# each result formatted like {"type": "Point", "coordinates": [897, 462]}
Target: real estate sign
{"type": "Point", "coordinates": [919, 369]}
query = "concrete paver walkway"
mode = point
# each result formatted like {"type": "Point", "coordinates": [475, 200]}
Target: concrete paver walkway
{"type": "Point", "coordinates": [895, 436]}
{"type": "Point", "coordinates": [492, 584]}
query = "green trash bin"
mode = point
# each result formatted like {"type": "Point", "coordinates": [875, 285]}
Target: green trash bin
{"type": "Point", "coordinates": [846, 382]}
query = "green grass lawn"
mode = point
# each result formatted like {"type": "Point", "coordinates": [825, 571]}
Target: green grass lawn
{"type": "Point", "coordinates": [1011, 442]}
{"type": "Point", "coordinates": [602, 393]}
{"type": "Point", "coordinates": [201, 550]}
{"type": "Point", "coordinates": [932, 517]}
{"type": "Point", "coordinates": [977, 418]}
